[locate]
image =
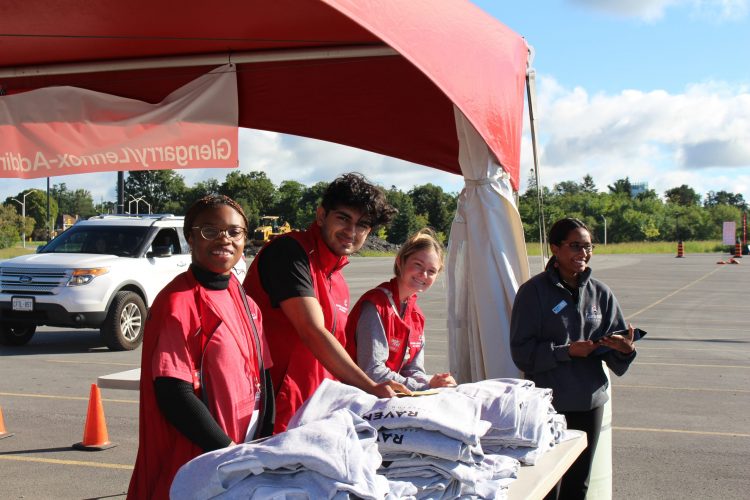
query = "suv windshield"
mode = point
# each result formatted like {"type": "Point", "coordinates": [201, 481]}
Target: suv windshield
{"type": "Point", "coordinates": [123, 241]}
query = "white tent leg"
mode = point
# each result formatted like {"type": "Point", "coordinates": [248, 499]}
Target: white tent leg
{"type": "Point", "coordinates": [486, 264]}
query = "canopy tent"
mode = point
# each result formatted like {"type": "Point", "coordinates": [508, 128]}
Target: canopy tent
{"type": "Point", "coordinates": [404, 78]}
{"type": "Point", "coordinates": [399, 102]}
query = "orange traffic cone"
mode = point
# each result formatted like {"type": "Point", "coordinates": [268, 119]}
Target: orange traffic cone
{"type": "Point", "coordinates": [3, 433]}
{"type": "Point", "coordinates": [721, 262]}
{"type": "Point", "coordinates": [95, 437]}
{"type": "Point", "coordinates": [738, 251]}
{"type": "Point", "coordinates": [732, 261]}
{"type": "Point", "coordinates": [680, 251]}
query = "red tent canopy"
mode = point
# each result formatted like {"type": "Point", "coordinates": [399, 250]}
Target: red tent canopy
{"type": "Point", "coordinates": [398, 103]}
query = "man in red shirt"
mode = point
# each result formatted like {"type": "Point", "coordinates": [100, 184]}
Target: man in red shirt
{"type": "Point", "coordinates": [296, 281]}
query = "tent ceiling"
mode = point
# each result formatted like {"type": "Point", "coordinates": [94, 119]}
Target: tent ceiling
{"type": "Point", "coordinates": [400, 105]}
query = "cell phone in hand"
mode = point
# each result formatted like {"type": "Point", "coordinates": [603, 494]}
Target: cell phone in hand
{"type": "Point", "coordinates": [624, 333]}
{"type": "Point", "coordinates": [637, 334]}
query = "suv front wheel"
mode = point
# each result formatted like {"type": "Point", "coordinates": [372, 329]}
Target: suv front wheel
{"type": "Point", "coordinates": [122, 329]}
{"type": "Point", "coordinates": [15, 335]}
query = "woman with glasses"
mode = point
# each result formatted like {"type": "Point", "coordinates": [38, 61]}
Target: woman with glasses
{"type": "Point", "coordinates": [204, 384]}
{"type": "Point", "coordinates": [562, 328]}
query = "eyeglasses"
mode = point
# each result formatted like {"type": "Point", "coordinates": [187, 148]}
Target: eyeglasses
{"type": "Point", "coordinates": [577, 247]}
{"type": "Point", "coordinates": [234, 233]}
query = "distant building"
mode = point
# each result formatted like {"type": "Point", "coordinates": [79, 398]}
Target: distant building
{"type": "Point", "coordinates": [64, 221]}
{"type": "Point", "coordinates": [637, 188]}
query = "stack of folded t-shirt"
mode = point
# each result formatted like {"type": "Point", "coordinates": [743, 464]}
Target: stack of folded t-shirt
{"type": "Point", "coordinates": [332, 457]}
{"type": "Point", "coordinates": [524, 425]}
{"type": "Point", "coordinates": [432, 442]}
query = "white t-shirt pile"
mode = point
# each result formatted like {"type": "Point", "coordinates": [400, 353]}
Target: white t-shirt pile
{"type": "Point", "coordinates": [524, 424]}
{"type": "Point", "coordinates": [330, 458]}
{"type": "Point", "coordinates": [432, 442]}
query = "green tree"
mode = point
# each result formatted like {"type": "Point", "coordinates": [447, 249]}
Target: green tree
{"type": "Point", "coordinates": [36, 209]}
{"type": "Point", "coordinates": [288, 200]}
{"type": "Point", "coordinates": [528, 208]}
{"type": "Point", "coordinates": [725, 198]}
{"type": "Point", "coordinates": [9, 226]}
{"type": "Point", "coordinates": [164, 190]}
{"type": "Point", "coordinates": [718, 214]}
{"type": "Point", "coordinates": [201, 189]}
{"type": "Point", "coordinates": [566, 187]}
{"type": "Point", "coordinates": [254, 191]}
{"type": "Point", "coordinates": [309, 203]}
{"type": "Point", "coordinates": [621, 186]}
{"type": "Point", "coordinates": [588, 185]}
{"type": "Point", "coordinates": [406, 222]}
{"type": "Point", "coordinates": [683, 195]}
{"type": "Point", "coordinates": [435, 205]}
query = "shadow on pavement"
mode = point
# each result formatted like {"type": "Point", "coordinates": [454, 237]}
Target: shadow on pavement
{"type": "Point", "coordinates": [58, 342]}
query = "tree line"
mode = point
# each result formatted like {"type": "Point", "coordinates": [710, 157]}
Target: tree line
{"type": "Point", "coordinates": [630, 214]}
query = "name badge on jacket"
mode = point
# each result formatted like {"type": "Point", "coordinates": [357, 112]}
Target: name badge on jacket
{"type": "Point", "coordinates": [559, 307]}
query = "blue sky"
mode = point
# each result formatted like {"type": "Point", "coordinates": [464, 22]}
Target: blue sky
{"type": "Point", "coordinates": [655, 90]}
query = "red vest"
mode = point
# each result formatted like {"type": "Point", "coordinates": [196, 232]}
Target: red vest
{"type": "Point", "coordinates": [404, 335]}
{"type": "Point", "coordinates": [296, 372]}
{"type": "Point", "coordinates": [183, 309]}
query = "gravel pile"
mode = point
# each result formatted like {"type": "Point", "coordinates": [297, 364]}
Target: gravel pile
{"type": "Point", "coordinates": [373, 243]}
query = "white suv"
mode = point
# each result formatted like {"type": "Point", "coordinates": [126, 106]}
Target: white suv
{"type": "Point", "coordinates": [103, 273]}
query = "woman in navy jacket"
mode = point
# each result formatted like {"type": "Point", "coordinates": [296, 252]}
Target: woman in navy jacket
{"type": "Point", "coordinates": [561, 329]}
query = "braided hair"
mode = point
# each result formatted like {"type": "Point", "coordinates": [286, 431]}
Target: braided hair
{"type": "Point", "coordinates": [206, 203]}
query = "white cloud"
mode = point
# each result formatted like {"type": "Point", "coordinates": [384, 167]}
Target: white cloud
{"type": "Point", "coordinates": [653, 10]}
{"type": "Point", "coordinates": [700, 136]}
{"type": "Point", "coordinates": [309, 161]}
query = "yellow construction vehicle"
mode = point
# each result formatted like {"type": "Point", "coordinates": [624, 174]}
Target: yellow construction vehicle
{"type": "Point", "coordinates": [269, 227]}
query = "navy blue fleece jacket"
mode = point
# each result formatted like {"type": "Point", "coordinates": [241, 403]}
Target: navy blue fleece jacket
{"type": "Point", "coordinates": [546, 318]}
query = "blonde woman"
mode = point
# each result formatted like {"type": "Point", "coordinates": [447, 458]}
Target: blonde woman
{"type": "Point", "coordinates": [385, 330]}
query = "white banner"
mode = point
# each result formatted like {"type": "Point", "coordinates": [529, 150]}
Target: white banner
{"type": "Point", "coordinates": [729, 233]}
{"type": "Point", "coordinates": [67, 130]}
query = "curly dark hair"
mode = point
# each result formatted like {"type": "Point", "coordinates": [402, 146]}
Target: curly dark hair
{"type": "Point", "coordinates": [208, 202]}
{"type": "Point", "coordinates": [355, 191]}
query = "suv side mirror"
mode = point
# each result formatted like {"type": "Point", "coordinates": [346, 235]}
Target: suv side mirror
{"type": "Point", "coordinates": [160, 251]}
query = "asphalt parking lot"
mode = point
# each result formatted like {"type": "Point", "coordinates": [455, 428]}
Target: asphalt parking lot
{"type": "Point", "coordinates": [681, 415]}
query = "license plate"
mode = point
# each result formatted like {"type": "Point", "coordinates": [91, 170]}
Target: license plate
{"type": "Point", "coordinates": [23, 304]}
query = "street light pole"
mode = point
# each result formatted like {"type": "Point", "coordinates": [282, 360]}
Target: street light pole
{"type": "Point", "coordinates": [23, 216]}
{"type": "Point", "coordinates": [147, 203]}
{"type": "Point", "coordinates": [605, 229]}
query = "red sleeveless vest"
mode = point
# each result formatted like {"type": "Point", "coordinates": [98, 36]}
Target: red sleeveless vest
{"type": "Point", "coordinates": [404, 335]}
{"type": "Point", "coordinates": [296, 372]}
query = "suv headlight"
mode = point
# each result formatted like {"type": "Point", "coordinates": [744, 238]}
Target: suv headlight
{"type": "Point", "coordinates": [84, 276]}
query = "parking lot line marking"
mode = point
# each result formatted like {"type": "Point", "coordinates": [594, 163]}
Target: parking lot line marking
{"type": "Point", "coordinates": [628, 318]}
{"type": "Point", "coordinates": [698, 329]}
{"type": "Point", "coordinates": [73, 398]}
{"type": "Point", "coordinates": [18, 458]}
{"type": "Point", "coordinates": [91, 362]}
{"type": "Point", "coordinates": [695, 366]}
{"type": "Point", "coordinates": [649, 348]}
{"type": "Point", "coordinates": [682, 431]}
{"type": "Point", "coordinates": [677, 388]}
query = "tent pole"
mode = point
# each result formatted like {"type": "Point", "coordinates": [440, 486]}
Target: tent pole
{"type": "Point", "coordinates": [531, 92]}
{"type": "Point", "coordinates": [199, 60]}
{"type": "Point", "coordinates": [120, 192]}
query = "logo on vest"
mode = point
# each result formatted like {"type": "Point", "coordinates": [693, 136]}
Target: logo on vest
{"type": "Point", "coordinates": [394, 344]}
{"type": "Point", "coordinates": [594, 315]}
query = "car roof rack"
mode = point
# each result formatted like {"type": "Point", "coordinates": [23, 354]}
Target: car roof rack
{"type": "Point", "coordinates": [133, 216]}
